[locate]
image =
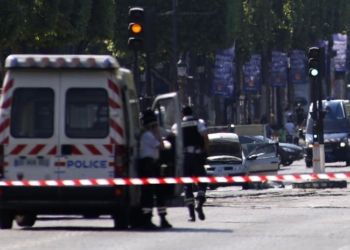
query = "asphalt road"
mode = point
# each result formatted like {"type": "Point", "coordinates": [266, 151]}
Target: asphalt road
{"type": "Point", "coordinates": [274, 218]}
{"type": "Point", "coordinates": [300, 167]}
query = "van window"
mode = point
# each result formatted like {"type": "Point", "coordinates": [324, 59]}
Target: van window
{"type": "Point", "coordinates": [165, 112]}
{"type": "Point", "coordinates": [32, 113]}
{"type": "Point", "coordinates": [87, 113]}
{"type": "Point", "coordinates": [335, 120]}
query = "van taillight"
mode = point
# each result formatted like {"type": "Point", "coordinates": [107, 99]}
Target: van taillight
{"type": "Point", "coordinates": [118, 160]}
{"type": "Point", "coordinates": [2, 161]}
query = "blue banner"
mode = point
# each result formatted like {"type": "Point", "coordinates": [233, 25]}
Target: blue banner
{"type": "Point", "coordinates": [348, 60]}
{"type": "Point", "coordinates": [252, 73]}
{"type": "Point", "coordinates": [297, 72]}
{"type": "Point", "coordinates": [223, 82]}
{"type": "Point", "coordinates": [279, 65]}
{"type": "Point", "coordinates": [340, 42]}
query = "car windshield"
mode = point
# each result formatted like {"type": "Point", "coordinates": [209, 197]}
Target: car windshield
{"type": "Point", "coordinates": [225, 147]}
{"type": "Point", "coordinates": [330, 126]}
{"type": "Point", "coordinates": [263, 139]}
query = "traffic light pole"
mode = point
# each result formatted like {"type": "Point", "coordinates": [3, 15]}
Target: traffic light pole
{"type": "Point", "coordinates": [136, 72]}
{"type": "Point", "coordinates": [149, 84]}
{"type": "Point", "coordinates": [315, 130]}
{"type": "Point", "coordinates": [318, 155]}
{"type": "Point", "coordinates": [320, 128]}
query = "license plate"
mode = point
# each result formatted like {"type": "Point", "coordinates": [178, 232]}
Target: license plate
{"type": "Point", "coordinates": [220, 175]}
{"type": "Point", "coordinates": [31, 162]}
{"type": "Point", "coordinates": [328, 149]}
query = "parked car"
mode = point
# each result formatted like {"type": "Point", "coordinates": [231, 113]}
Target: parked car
{"type": "Point", "coordinates": [228, 157]}
{"type": "Point", "coordinates": [288, 152]}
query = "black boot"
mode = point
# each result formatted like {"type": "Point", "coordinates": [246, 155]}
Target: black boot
{"type": "Point", "coordinates": [164, 223]}
{"type": "Point", "coordinates": [192, 217]}
{"type": "Point", "coordinates": [147, 222]}
{"type": "Point", "coordinates": [199, 210]}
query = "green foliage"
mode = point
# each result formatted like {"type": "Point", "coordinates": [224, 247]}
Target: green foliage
{"type": "Point", "coordinates": [255, 26]}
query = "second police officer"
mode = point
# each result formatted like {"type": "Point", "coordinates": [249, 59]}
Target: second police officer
{"type": "Point", "coordinates": [196, 149]}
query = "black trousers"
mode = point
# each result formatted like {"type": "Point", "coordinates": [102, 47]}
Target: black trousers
{"type": "Point", "coordinates": [149, 168]}
{"type": "Point", "coordinates": [194, 166]}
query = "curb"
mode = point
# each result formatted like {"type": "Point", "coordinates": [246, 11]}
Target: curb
{"type": "Point", "coordinates": [320, 184]}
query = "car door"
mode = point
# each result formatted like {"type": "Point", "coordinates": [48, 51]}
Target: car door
{"type": "Point", "coordinates": [261, 158]}
{"type": "Point", "coordinates": [167, 107]}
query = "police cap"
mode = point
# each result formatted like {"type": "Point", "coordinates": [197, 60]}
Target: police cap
{"type": "Point", "coordinates": [187, 110]}
{"type": "Point", "coordinates": [148, 116]}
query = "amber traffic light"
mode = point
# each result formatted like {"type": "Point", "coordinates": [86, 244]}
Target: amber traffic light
{"type": "Point", "coordinates": [136, 28]}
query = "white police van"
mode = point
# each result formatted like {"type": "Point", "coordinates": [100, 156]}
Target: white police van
{"type": "Point", "coordinates": [336, 128]}
{"type": "Point", "coordinates": [69, 117]}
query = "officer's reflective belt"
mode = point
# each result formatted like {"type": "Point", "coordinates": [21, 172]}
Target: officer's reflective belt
{"type": "Point", "coordinates": [178, 180]}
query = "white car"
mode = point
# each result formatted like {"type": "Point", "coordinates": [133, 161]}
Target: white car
{"type": "Point", "coordinates": [228, 157]}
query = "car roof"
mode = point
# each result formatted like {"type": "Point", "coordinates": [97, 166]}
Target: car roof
{"type": "Point", "coordinates": [255, 137]}
{"type": "Point", "coordinates": [226, 136]}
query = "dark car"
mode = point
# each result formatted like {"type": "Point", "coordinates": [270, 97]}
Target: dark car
{"type": "Point", "coordinates": [288, 152]}
{"type": "Point", "coordinates": [336, 133]}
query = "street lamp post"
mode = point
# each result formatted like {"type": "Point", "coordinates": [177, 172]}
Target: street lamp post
{"type": "Point", "coordinates": [181, 75]}
{"type": "Point", "coordinates": [175, 45]}
{"type": "Point", "coordinates": [200, 72]}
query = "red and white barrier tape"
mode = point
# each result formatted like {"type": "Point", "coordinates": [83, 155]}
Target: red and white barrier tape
{"type": "Point", "coordinates": [178, 180]}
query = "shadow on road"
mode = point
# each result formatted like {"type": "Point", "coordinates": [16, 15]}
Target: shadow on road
{"type": "Point", "coordinates": [70, 218]}
{"type": "Point", "coordinates": [111, 229]}
{"type": "Point", "coordinates": [336, 166]}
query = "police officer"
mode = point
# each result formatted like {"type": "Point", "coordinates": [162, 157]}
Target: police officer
{"type": "Point", "coordinates": [196, 149]}
{"type": "Point", "coordinates": [151, 142]}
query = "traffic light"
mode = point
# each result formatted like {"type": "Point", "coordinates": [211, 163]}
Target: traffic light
{"type": "Point", "coordinates": [316, 61]}
{"type": "Point", "coordinates": [136, 28]}
{"type": "Point", "coordinates": [142, 29]}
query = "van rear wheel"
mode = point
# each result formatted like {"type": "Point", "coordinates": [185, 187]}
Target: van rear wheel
{"type": "Point", "coordinates": [25, 220]}
{"type": "Point", "coordinates": [121, 220]}
{"type": "Point", "coordinates": [6, 219]}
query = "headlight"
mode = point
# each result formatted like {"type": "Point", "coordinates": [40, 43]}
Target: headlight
{"type": "Point", "coordinates": [288, 149]}
{"type": "Point", "coordinates": [308, 144]}
{"type": "Point", "coordinates": [343, 142]}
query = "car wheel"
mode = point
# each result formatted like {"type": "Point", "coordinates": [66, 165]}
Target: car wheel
{"type": "Point", "coordinates": [288, 163]}
{"type": "Point", "coordinates": [284, 161]}
{"type": "Point", "coordinates": [25, 220]}
{"type": "Point", "coordinates": [6, 219]}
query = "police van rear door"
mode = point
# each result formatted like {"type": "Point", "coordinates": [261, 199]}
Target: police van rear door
{"type": "Point", "coordinates": [86, 139]}
{"type": "Point", "coordinates": [168, 109]}
{"type": "Point", "coordinates": [30, 139]}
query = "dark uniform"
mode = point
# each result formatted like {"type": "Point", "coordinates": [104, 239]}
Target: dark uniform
{"type": "Point", "coordinates": [194, 160]}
